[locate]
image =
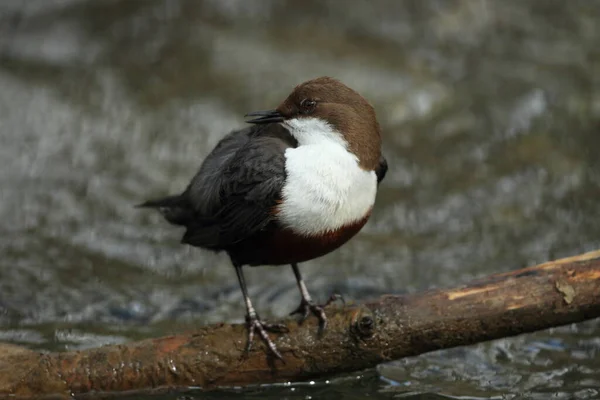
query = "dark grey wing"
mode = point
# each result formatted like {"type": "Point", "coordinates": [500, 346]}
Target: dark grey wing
{"type": "Point", "coordinates": [381, 169]}
{"type": "Point", "coordinates": [203, 192]}
{"type": "Point", "coordinates": [249, 187]}
{"type": "Point", "coordinates": [201, 197]}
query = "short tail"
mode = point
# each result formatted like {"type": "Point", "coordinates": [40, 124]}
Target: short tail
{"type": "Point", "coordinates": [171, 201]}
{"type": "Point", "coordinates": [175, 209]}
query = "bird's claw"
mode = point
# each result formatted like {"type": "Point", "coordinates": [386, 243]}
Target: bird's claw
{"type": "Point", "coordinates": [254, 324]}
{"type": "Point", "coordinates": [307, 307]}
{"type": "Point", "coordinates": [334, 297]}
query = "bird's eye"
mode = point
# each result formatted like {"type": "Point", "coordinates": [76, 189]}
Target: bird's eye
{"type": "Point", "coordinates": [308, 105]}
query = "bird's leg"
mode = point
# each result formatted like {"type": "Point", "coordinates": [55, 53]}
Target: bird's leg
{"type": "Point", "coordinates": [307, 304]}
{"type": "Point", "coordinates": [253, 321]}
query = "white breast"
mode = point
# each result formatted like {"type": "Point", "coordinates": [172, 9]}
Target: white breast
{"type": "Point", "coordinates": [325, 188]}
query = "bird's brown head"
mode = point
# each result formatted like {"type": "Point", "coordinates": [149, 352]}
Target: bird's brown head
{"type": "Point", "coordinates": [325, 108]}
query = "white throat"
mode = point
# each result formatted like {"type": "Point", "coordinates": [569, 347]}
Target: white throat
{"type": "Point", "coordinates": [325, 188]}
{"type": "Point", "coordinates": [309, 131]}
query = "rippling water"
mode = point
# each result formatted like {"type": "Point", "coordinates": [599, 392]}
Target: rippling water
{"type": "Point", "coordinates": [491, 118]}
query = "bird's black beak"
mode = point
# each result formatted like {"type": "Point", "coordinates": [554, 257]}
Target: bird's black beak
{"type": "Point", "coordinates": [264, 117]}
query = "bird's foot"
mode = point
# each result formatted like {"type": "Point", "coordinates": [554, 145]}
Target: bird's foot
{"type": "Point", "coordinates": [254, 325]}
{"type": "Point", "coordinates": [334, 297]}
{"type": "Point", "coordinates": [308, 306]}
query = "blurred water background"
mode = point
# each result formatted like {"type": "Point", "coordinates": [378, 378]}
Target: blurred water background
{"type": "Point", "coordinates": [491, 120]}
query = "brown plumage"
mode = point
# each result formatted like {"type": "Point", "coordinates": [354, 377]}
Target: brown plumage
{"type": "Point", "coordinates": [352, 117]}
{"type": "Point", "coordinates": [280, 246]}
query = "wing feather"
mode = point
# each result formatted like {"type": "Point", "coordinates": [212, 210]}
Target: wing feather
{"type": "Point", "coordinates": [238, 199]}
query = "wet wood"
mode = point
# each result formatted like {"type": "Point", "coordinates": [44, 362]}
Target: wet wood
{"type": "Point", "coordinates": [391, 327]}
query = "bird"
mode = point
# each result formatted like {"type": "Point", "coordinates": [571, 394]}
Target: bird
{"type": "Point", "coordinates": [296, 184]}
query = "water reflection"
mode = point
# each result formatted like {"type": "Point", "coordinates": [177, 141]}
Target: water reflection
{"type": "Point", "coordinates": [490, 112]}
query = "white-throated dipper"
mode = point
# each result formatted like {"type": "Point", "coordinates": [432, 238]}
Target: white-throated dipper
{"type": "Point", "coordinates": [295, 186]}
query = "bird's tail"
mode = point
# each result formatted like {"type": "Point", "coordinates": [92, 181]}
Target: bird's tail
{"type": "Point", "coordinates": [171, 201]}
{"type": "Point", "coordinates": [175, 209]}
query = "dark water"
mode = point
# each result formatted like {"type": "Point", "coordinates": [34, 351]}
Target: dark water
{"type": "Point", "coordinates": [491, 114]}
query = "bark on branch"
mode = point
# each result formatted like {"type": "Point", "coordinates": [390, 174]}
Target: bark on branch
{"type": "Point", "coordinates": [358, 337]}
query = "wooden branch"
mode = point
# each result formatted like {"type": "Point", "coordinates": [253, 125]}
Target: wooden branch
{"type": "Point", "coordinates": [358, 337]}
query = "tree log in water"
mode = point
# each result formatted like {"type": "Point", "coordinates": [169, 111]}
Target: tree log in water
{"type": "Point", "coordinates": [391, 327]}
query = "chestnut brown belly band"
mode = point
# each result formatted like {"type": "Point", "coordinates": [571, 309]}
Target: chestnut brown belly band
{"type": "Point", "coordinates": [279, 246]}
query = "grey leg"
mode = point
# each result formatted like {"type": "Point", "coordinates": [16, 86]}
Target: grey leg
{"type": "Point", "coordinates": [307, 304]}
{"type": "Point", "coordinates": [253, 320]}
